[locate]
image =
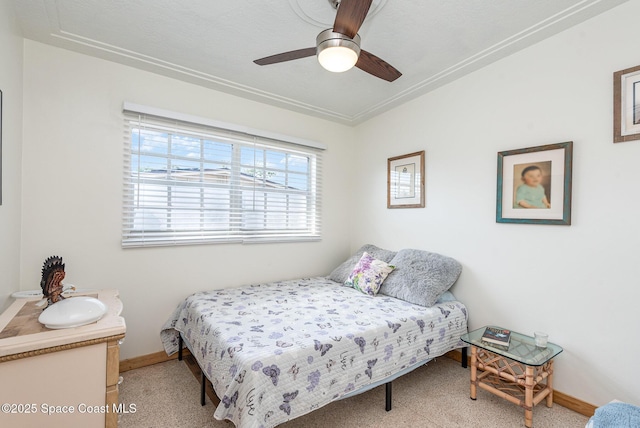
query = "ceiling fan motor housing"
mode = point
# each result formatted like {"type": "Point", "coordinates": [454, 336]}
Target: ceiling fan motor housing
{"type": "Point", "coordinates": [329, 42]}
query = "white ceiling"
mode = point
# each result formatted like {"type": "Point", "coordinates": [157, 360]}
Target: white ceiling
{"type": "Point", "coordinates": [213, 43]}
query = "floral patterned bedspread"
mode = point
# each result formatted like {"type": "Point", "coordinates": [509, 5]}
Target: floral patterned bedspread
{"type": "Point", "coordinates": [277, 351]}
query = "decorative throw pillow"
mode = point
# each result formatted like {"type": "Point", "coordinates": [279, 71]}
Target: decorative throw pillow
{"type": "Point", "coordinates": [342, 272]}
{"type": "Point", "coordinates": [368, 274]}
{"type": "Point", "coordinates": [420, 277]}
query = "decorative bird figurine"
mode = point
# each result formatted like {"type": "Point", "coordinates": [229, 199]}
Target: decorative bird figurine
{"type": "Point", "coordinates": [52, 276]}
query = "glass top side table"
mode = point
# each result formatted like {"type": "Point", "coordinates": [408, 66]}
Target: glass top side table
{"type": "Point", "coordinates": [521, 373]}
{"type": "Point", "coordinates": [522, 348]}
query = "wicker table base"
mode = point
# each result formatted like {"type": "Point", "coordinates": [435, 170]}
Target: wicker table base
{"type": "Point", "coordinates": [516, 382]}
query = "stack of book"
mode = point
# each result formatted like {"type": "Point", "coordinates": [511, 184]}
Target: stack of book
{"type": "Point", "coordinates": [496, 337]}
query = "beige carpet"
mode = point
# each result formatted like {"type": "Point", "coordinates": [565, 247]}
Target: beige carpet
{"type": "Point", "coordinates": [433, 396]}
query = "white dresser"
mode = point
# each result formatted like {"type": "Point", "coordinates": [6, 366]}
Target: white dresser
{"type": "Point", "coordinates": [64, 377]}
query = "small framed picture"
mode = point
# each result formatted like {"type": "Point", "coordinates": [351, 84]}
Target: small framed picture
{"type": "Point", "coordinates": [626, 105]}
{"type": "Point", "coordinates": [534, 185]}
{"type": "Point", "coordinates": [405, 181]}
{"type": "Point", "coordinates": [0, 147]}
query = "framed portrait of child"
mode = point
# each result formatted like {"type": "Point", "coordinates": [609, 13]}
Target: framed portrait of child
{"type": "Point", "coordinates": [534, 185]}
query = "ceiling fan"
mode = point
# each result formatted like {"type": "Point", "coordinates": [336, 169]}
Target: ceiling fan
{"type": "Point", "coordinates": [338, 48]}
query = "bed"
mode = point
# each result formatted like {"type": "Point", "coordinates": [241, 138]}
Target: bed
{"type": "Point", "coordinates": [276, 351]}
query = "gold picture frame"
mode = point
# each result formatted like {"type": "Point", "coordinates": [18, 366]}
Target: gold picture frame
{"type": "Point", "coordinates": [405, 181]}
{"type": "Point", "coordinates": [626, 105]}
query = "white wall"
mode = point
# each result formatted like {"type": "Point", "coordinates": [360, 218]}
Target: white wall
{"type": "Point", "coordinates": [579, 283]}
{"type": "Point", "coordinates": [11, 87]}
{"type": "Point", "coordinates": [72, 189]}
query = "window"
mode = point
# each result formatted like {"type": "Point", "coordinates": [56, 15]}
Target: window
{"type": "Point", "coordinates": [187, 182]}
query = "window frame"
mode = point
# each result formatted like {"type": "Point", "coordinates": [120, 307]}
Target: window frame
{"type": "Point", "coordinates": [277, 210]}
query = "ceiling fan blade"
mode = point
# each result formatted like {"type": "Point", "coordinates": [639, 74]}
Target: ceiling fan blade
{"type": "Point", "coordinates": [376, 66]}
{"type": "Point", "coordinates": [350, 16]}
{"type": "Point", "coordinates": [286, 56]}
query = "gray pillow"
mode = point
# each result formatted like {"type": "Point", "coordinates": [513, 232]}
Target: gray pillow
{"type": "Point", "coordinates": [420, 277]}
{"type": "Point", "coordinates": [342, 272]}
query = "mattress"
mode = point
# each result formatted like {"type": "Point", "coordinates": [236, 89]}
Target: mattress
{"type": "Point", "coordinates": [279, 350]}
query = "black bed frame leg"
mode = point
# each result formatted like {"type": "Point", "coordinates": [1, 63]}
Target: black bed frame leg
{"type": "Point", "coordinates": [464, 357]}
{"type": "Point", "coordinates": [204, 383]}
{"type": "Point", "coordinates": [387, 405]}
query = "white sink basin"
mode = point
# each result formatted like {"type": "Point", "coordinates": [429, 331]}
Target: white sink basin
{"type": "Point", "coordinates": [73, 312]}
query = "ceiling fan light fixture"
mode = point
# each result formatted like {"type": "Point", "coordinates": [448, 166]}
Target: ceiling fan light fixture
{"type": "Point", "coordinates": [336, 52]}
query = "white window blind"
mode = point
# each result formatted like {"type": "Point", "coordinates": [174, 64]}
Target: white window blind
{"type": "Point", "coordinates": [190, 183]}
